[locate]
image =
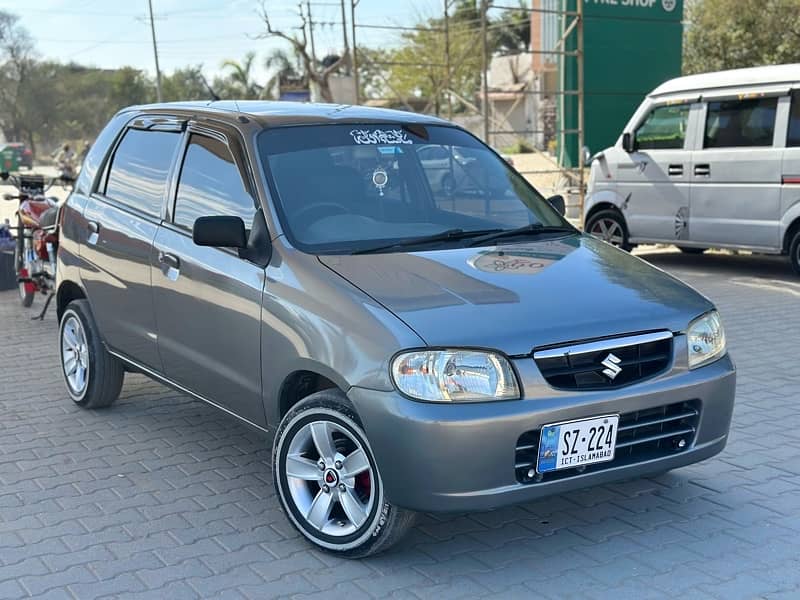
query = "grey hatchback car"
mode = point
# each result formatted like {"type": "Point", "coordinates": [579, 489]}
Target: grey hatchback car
{"type": "Point", "coordinates": [409, 347]}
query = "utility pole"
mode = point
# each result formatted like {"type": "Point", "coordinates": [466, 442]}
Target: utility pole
{"type": "Point", "coordinates": [485, 69]}
{"type": "Point", "coordinates": [353, 4]}
{"type": "Point", "coordinates": [447, 59]}
{"type": "Point", "coordinates": [155, 51]}
{"type": "Point", "coordinates": [311, 32]}
{"type": "Point", "coordinates": [345, 49]}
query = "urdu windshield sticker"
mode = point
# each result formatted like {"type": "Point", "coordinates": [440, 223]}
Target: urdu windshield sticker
{"type": "Point", "coordinates": [380, 136]}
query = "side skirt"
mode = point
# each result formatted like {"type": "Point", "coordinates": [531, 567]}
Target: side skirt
{"type": "Point", "coordinates": [137, 367]}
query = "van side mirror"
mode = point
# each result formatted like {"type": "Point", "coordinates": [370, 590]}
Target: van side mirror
{"type": "Point", "coordinates": [628, 142]}
{"type": "Point", "coordinates": [221, 231]}
{"type": "Point", "coordinates": [4, 175]}
{"type": "Point", "coordinates": [558, 203]}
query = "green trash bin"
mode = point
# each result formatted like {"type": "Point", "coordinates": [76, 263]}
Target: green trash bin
{"type": "Point", "coordinates": [9, 159]}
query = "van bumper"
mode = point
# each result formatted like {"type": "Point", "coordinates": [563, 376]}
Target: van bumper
{"type": "Point", "coordinates": [463, 457]}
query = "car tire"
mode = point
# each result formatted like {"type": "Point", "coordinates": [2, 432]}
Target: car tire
{"type": "Point", "coordinates": [794, 252]}
{"type": "Point", "coordinates": [691, 250]}
{"type": "Point", "coordinates": [93, 376]}
{"type": "Point", "coordinates": [347, 515]}
{"type": "Point", "coordinates": [609, 226]}
{"type": "Point", "coordinates": [26, 291]}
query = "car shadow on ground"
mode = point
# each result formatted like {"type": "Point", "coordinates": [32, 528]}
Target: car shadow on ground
{"type": "Point", "coordinates": [720, 263]}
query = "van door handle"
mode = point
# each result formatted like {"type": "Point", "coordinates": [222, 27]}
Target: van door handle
{"type": "Point", "coordinates": [675, 170]}
{"type": "Point", "coordinates": [170, 260]}
{"type": "Point", "coordinates": [94, 232]}
{"type": "Point", "coordinates": [702, 170]}
{"type": "Point", "coordinates": [173, 264]}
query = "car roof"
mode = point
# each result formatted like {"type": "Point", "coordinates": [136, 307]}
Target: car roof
{"type": "Point", "coordinates": [276, 114]}
{"type": "Point", "coordinates": [734, 78]}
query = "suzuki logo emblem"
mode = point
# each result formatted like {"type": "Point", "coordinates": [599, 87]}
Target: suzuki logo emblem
{"type": "Point", "coordinates": [611, 364]}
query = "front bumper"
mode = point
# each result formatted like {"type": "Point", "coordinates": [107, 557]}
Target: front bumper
{"type": "Point", "coordinates": [461, 457]}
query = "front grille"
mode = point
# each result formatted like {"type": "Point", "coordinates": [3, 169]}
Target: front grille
{"type": "Point", "coordinates": [581, 366]}
{"type": "Point", "coordinates": [642, 435]}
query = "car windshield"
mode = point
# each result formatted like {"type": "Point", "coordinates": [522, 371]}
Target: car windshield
{"type": "Point", "coordinates": [350, 188]}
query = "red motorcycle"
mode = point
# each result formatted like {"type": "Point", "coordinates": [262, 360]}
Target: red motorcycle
{"type": "Point", "coordinates": [37, 236]}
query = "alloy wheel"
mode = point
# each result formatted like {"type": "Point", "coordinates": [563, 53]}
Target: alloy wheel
{"type": "Point", "coordinates": [609, 230]}
{"type": "Point", "coordinates": [75, 355]}
{"type": "Point", "coordinates": [330, 478]}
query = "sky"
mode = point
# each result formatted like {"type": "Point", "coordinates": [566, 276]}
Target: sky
{"type": "Point", "coordinates": [113, 33]}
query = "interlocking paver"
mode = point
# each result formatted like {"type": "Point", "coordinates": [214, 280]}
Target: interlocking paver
{"type": "Point", "coordinates": [162, 497]}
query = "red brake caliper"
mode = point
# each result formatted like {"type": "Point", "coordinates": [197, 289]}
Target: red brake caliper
{"type": "Point", "coordinates": [363, 482]}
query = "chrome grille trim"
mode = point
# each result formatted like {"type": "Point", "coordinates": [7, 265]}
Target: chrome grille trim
{"type": "Point", "coordinates": [601, 345]}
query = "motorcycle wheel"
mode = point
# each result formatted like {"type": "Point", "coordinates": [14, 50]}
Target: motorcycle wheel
{"type": "Point", "coordinates": [27, 291]}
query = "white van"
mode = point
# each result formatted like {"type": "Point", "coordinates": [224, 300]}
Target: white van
{"type": "Point", "coordinates": [709, 160]}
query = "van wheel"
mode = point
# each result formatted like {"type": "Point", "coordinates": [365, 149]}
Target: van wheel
{"type": "Point", "coordinates": [609, 226]}
{"type": "Point", "coordinates": [794, 252]}
{"type": "Point", "coordinates": [328, 481]}
{"type": "Point", "coordinates": [690, 250]}
{"type": "Point", "coordinates": [93, 376]}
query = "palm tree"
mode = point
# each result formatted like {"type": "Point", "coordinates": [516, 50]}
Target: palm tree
{"type": "Point", "coordinates": [240, 75]}
{"type": "Point", "coordinates": [286, 69]}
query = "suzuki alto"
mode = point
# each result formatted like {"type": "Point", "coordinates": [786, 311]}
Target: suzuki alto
{"type": "Point", "coordinates": [409, 346]}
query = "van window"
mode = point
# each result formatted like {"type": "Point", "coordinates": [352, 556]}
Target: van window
{"type": "Point", "coordinates": [793, 137]}
{"type": "Point", "coordinates": [139, 171]}
{"type": "Point", "coordinates": [664, 128]}
{"type": "Point", "coordinates": [737, 123]}
{"type": "Point", "coordinates": [211, 185]}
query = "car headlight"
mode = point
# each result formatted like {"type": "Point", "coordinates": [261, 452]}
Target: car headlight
{"type": "Point", "coordinates": [706, 339]}
{"type": "Point", "coordinates": [455, 376]}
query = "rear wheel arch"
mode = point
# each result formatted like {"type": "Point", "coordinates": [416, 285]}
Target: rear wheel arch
{"type": "Point", "coordinates": [67, 292]}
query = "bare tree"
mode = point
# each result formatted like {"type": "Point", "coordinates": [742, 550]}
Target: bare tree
{"type": "Point", "coordinates": [16, 49]}
{"type": "Point", "coordinates": [318, 73]}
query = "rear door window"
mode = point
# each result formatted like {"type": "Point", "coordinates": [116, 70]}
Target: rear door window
{"type": "Point", "coordinates": [664, 128]}
{"type": "Point", "coordinates": [793, 137]}
{"type": "Point", "coordinates": [140, 168]}
{"type": "Point", "coordinates": [211, 185]}
{"type": "Point", "coordinates": [740, 123]}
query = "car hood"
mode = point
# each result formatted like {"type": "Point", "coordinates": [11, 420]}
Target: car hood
{"type": "Point", "coordinates": [517, 297]}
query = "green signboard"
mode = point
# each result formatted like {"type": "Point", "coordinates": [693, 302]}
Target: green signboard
{"type": "Point", "coordinates": [630, 47]}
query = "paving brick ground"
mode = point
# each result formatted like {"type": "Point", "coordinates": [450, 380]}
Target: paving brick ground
{"type": "Point", "coordinates": [162, 497]}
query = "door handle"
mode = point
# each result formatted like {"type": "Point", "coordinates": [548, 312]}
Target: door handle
{"type": "Point", "coordinates": [675, 170]}
{"type": "Point", "coordinates": [170, 260]}
{"type": "Point", "coordinates": [172, 264]}
{"type": "Point", "coordinates": [703, 170]}
{"type": "Point", "coordinates": [94, 232]}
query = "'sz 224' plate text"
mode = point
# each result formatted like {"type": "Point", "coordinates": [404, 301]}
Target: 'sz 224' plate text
{"type": "Point", "coordinates": [577, 443]}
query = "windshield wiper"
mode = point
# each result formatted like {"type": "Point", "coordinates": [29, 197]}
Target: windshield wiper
{"type": "Point", "coordinates": [531, 228]}
{"type": "Point", "coordinates": [443, 236]}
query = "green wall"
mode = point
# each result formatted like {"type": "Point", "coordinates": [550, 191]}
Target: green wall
{"type": "Point", "coordinates": [630, 47]}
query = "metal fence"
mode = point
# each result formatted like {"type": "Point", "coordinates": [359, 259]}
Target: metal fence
{"type": "Point", "coordinates": [493, 111]}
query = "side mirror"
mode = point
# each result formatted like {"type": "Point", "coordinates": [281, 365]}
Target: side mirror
{"type": "Point", "coordinates": [558, 203]}
{"type": "Point", "coordinates": [628, 142]}
{"type": "Point", "coordinates": [223, 232]}
{"type": "Point", "coordinates": [4, 175]}
{"type": "Point", "coordinates": [587, 155]}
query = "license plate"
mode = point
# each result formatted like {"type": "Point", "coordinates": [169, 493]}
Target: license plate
{"type": "Point", "coordinates": [577, 443]}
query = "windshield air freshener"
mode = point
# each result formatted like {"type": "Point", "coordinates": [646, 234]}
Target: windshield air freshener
{"type": "Point", "coordinates": [380, 179]}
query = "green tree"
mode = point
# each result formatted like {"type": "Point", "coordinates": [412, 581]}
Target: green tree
{"type": "Point", "coordinates": [186, 84]}
{"type": "Point", "coordinates": [728, 34]}
{"type": "Point", "coordinates": [240, 77]}
{"type": "Point", "coordinates": [510, 33]}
